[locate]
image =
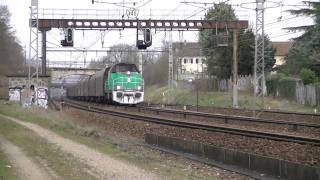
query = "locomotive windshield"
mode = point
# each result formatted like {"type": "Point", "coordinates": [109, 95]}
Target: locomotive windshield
{"type": "Point", "coordinates": [123, 68]}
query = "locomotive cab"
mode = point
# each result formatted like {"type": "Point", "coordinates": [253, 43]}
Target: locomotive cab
{"type": "Point", "coordinates": [126, 84]}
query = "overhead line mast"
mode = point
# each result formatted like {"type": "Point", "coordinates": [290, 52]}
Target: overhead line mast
{"type": "Point", "coordinates": [259, 76]}
{"type": "Point", "coordinates": [33, 41]}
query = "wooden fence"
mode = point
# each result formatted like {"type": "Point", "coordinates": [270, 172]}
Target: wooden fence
{"type": "Point", "coordinates": [308, 94]}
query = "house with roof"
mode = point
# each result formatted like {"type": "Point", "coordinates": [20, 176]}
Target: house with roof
{"type": "Point", "coordinates": [282, 48]}
{"type": "Point", "coordinates": [190, 62]}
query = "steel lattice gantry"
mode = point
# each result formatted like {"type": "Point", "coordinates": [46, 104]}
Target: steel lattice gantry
{"type": "Point", "coordinates": [123, 24]}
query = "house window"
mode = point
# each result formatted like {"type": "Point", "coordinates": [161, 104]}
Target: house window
{"type": "Point", "coordinates": [197, 61]}
{"type": "Point", "coordinates": [191, 61]}
{"type": "Point", "coordinates": [185, 61]}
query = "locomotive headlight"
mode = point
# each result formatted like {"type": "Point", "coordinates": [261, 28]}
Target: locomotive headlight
{"type": "Point", "coordinates": [118, 87]}
{"type": "Point", "coordinates": [139, 88]}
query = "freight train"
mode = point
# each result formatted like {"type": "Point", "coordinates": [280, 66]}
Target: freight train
{"type": "Point", "coordinates": [121, 83]}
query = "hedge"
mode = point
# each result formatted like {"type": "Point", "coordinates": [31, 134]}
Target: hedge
{"type": "Point", "coordinates": [277, 85]}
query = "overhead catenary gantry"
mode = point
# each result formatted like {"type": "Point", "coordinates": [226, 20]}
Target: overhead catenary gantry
{"type": "Point", "coordinates": [96, 24]}
{"type": "Point", "coordinates": [157, 24]}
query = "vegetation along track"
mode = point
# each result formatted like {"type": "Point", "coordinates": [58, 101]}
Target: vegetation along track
{"type": "Point", "coordinates": [183, 124]}
{"type": "Point", "coordinates": [266, 113]}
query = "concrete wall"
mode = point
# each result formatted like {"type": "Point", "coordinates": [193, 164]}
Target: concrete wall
{"type": "Point", "coordinates": [263, 165]}
{"type": "Point", "coordinates": [20, 81]}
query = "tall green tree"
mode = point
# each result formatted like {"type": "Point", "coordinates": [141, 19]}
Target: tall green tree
{"type": "Point", "coordinates": [245, 51]}
{"type": "Point", "coordinates": [269, 53]}
{"type": "Point", "coordinates": [219, 59]}
{"type": "Point", "coordinates": [305, 52]}
{"type": "Point", "coordinates": [11, 56]}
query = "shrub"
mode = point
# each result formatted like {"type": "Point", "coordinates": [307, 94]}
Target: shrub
{"type": "Point", "coordinates": [272, 82]}
{"type": "Point", "coordinates": [287, 87]}
{"type": "Point", "coordinates": [279, 85]}
{"type": "Point", "coordinates": [307, 76]}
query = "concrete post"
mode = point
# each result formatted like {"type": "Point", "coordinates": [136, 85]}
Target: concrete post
{"type": "Point", "coordinates": [44, 52]}
{"type": "Point", "coordinates": [235, 71]}
{"type": "Point", "coordinates": [140, 62]}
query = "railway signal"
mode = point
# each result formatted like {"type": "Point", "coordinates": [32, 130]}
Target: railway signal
{"type": "Point", "coordinates": [68, 38]}
{"type": "Point", "coordinates": [144, 38]}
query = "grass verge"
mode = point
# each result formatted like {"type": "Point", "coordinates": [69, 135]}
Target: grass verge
{"type": "Point", "coordinates": [93, 137]}
{"type": "Point", "coordinates": [218, 99]}
{"type": "Point", "coordinates": [7, 170]}
{"type": "Point", "coordinates": [42, 152]}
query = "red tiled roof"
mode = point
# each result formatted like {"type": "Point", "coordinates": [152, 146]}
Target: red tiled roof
{"type": "Point", "coordinates": [282, 48]}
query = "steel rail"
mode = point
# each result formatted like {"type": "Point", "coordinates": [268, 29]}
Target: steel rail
{"type": "Point", "coordinates": [264, 110]}
{"type": "Point", "coordinates": [231, 117]}
{"type": "Point", "coordinates": [212, 128]}
{"type": "Point", "coordinates": [53, 104]}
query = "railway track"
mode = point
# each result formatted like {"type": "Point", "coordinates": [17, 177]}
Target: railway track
{"type": "Point", "coordinates": [53, 104]}
{"type": "Point", "coordinates": [183, 124]}
{"type": "Point", "coordinates": [213, 116]}
{"type": "Point", "coordinates": [271, 111]}
{"type": "Point", "coordinates": [293, 125]}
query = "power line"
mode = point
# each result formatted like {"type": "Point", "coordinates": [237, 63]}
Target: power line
{"type": "Point", "coordinates": [287, 20]}
{"type": "Point", "coordinates": [284, 34]}
{"type": "Point", "coordinates": [114, 3]}
{"type": "Point", "coordinates": [174, 9]}
{"type": "Point", "coordinates": [144, 4]}
{"type": "Point", "coordinates": [195, 14]}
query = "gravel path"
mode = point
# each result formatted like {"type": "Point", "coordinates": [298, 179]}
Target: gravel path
{"type": "Point", "coordinates": [106, 166]}
{"type": "Point", "coordinates": [27, 169]}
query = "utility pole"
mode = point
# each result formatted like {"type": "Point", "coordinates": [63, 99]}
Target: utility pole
{"type": "Point", "coordinates": [25, 55]}
{"type": "Point", "coordinates": [235, 70]}
{"type": "Point", "coordinates": [259, 78]}
{"type": "Point", "coordinates": [140, 62]}
{"type": "Point", "coordinates": [44, 51]}
{"type": "Point", "coordinates": [170, 75]}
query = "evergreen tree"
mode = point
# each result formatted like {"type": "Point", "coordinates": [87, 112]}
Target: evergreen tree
{"type": "Point", "coordinates": [305, 52]}
{"type": "Point", "coordinates": [219, 59]}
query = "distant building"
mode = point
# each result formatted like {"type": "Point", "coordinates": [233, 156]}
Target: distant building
{"type": "Point", "coordinates": [282, 48]}
{"type": "Point", "coordinates": [190, 62]}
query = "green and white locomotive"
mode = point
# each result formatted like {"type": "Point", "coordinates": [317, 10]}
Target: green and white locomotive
{"type": "Point", "coordinates": [121, 83]}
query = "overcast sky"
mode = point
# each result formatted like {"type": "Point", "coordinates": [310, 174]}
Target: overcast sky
{"type": "Point", "coordinates": [275, 19]}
